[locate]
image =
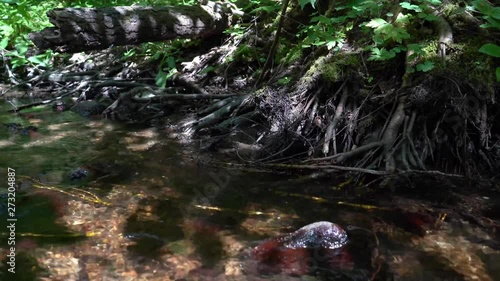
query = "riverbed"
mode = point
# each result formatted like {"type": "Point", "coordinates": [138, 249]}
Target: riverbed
{"type": "Point", "coordinates": [146, 206]}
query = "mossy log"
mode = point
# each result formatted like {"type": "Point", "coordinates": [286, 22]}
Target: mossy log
{"type": "Point", "coordinates": [82, 29]}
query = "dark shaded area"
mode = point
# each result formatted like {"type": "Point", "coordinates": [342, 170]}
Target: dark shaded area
{"type": "Point", "coordinates": [37, 216]}
{"type": "Point", "coordinates": [27, 269]}
{"type": "Point", "coordinates": [149, 234]}
{"type": "Point", "coordinates": [88, 108]}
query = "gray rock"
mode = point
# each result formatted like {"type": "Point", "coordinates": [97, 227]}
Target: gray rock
{"type": "Point", "coordinates": [88, 108]}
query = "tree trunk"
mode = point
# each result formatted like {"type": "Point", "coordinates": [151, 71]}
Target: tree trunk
{"type": "Point", "coordinates": [81, 29]}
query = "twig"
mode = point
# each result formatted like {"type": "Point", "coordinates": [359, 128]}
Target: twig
{"type": "Point", "coordinates": [343, 156]}
{"type": "Point", "coordinates": [334, 167]}
{"type": "Point", "coordinates": [432, 172]}
{"type": "Point", "coordinates": [44, 102]}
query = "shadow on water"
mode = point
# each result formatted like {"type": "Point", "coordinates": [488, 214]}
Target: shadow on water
{"type": "Point", "coordinates": [28, 269]}
{"type": "Point", "coordinates": [155, 223]}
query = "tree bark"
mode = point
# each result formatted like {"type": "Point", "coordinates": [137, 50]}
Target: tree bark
{"type": "Point", "coordinates": [82, 29]}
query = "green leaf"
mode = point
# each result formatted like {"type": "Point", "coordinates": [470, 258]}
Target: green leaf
{"type": "Point", "coordinates": [408, 6]}
{"type": "Point", "coordinates": [376, 23]}
{"type": "Point", "coordinates": [427, 17]}
{"type": "Point", "coordinates": [491, 50]}
{"type": "Point", "coordinates": [161, 79]}
{"type": "Point", "coordinates": [37, 60]}
{"type": "Point", "coordinates": [267, 9]}
{"type": "Point", "coordinates": [4, 43]}
{"type": "Point", "coordinates": [171, 62]}
{"type": "Point", "coordinates": [417, 49]}
{"type": "Point", "coordinates": [426, 66]}
{"type": "Point", "coordinates": [338, 20]}
{"type": "Point", "coordinates": [303, 3]}
{"type": "Point", "coordinates": [9, 1]}
{"type": "Point", "coordinates": [206, 70]}
{"type": "Point", "coordinates": [498, 74]}
{"type": "Point", "coordinates": [284, 81]}
{"type": "Point", "coordinates": [321, 19]}
{"type": "Point", "coordinates": [398, 34]}
{"type": "Point", "coordinates": [18, 61]}
{"type": "Point", "coordinates": [381, 54]}
{"type": "Point", "coordinates": [331, 44]}
{"type": "Point", "coordinates": [155, 56]}
{"type": "Point", "coordinates": [22, 49]}
{"type": "Point", "coordinates": [495, 13]}
{"type": "Point", "coordinates": [482, 6]}
{"type": "Point", "coordinates": [397, 49]}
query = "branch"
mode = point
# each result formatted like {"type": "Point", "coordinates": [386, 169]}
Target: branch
{"type": "Point", "coordinates": [275, 43]}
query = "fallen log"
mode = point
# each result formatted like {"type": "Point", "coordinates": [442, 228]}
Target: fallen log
{"type": "Point", "coordinates": [82, 29]}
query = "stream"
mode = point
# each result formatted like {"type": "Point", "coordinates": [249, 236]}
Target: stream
{"type": "Point", "coordinates": [100, 200]}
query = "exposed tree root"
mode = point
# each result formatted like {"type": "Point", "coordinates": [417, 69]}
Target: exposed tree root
{"type": "Point", "coordinates": [218, 114]}
{"type": "Point", "coordinates": [339, 112]}
{"type": "Point", "coordinates": [341, 157]}
{"type": "Point", "coordinates": [331, 129]}
{"type": "Point", "coordinates": [391, 133]}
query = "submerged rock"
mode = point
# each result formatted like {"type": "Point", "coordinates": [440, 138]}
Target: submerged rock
{"type": "Point", "coordinates": [88, 108]}
{"type": "Point", "coordinates": [79, 173]}
{"type": "Point", "coordinates": [321, 234]}
{"type": "Point", "coordinates": [59, 106]}
{"type": "Point", "coordinates": [17, 128]}
{"type": "Point", "coordinates": [13, 127]}
{"type": "Point", "coordinates": [323, 248]}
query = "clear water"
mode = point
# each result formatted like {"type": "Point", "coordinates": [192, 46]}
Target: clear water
{"type": "Point", "coordinates": [151, 210]}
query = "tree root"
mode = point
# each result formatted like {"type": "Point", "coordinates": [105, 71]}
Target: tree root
{"type": "Point", "coordinates": [330, 131]}
{"type": "Point", "coordinates": [237, 121]}
{"type": "Point", "coordinates": [445, 33]}
{"type": "Point", "coordinates": [219, 114]}
{"type": "Point", "coordinates": [359, 170]}
{"type": "Point", "coordinates": [215, 106]}
{"type": "Point", "coordinates": [341, 157]}
{"type": "Point", "coordinates": [390, 134]}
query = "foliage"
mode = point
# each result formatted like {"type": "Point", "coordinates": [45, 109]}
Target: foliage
{"type": "Point", "coordinates": [387, 32]}
{"type": "Point", "coordinates": [20, 17]}
{"type": "Point", "coordinates": [389, 37]}
{"type": "Point", "coordinates": [492, 17]}
{"type": "Point", "coordinates": [17, 20]}
{"type": "Point", "coordinates": [284, 81]}
{"type": "Point", "coordinates": [303, 3]}
{"type": "Point", "coordinates": [491, 50]}
{"type": "Point", "coordinates": [167, 55]}
{"type": "Point", "coordinates": [263, 6]}
{"type": "Point", "coordinates": [324, 32]}
{"type": "Point", "coordinates": [388, 25]}
{"type": "Point", "coordinates": [490, 14]}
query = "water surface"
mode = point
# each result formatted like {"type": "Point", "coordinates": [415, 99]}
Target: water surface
{"type": "Point", "coordinates": [151, 209]}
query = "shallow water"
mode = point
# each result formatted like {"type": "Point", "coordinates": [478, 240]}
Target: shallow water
{"type": "Point", "coordinates": [151, 210]}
